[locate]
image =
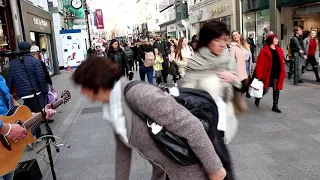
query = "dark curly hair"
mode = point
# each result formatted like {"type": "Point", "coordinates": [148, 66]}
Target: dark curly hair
{"type": "Point", "coordinates": [97, 72]}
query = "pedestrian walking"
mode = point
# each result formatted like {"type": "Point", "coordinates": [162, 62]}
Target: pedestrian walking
{"type": "Point", "coordinates": [118, 55]}
{"type": "Point", "coordinates": [162, 47]}
{"type": "Point", "coordinates": [145, 48]}
{"type": "Point", "coordinates": [297, 48]}
{"type": "Point", "coordinates": [183, 52]}
{"type": "Point", "coordinates": [173, 68]}
{"type": "Point", "coordinates": [158, 65]}
{"type": "Point", "coordinates": [131, 132]}
{"type": "Point", "coordinates": [270, 70]}
{"type": "Point", "coordinates": [129, 55]}
{"type": "Point", "coordinates": [212, 69]}
{"type": "Point", "coordinates": [240, 51]}
{"type": "Point", "coordinates": [311, 46]}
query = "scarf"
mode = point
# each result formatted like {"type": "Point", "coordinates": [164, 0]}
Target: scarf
{"type": "Point", "coordinates": [203, 64]}
{"type": "Point", "coordinates": [113, 112]}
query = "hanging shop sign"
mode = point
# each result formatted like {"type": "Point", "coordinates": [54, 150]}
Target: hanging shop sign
{"type": "Point", "coordinates": [99, 19]}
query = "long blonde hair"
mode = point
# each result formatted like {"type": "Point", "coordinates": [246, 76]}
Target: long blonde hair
{"type": "Point", "coordinates": [243, 42]}
{"type": "Point", "coordinates": [179, 48]}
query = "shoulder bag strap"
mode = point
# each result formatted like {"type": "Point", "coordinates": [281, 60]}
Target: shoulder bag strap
{"type": "Point", "coordinates": [133, 108]}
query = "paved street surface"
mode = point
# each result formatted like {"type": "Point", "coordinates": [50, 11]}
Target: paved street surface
{"type": "Point", "coordinates": [268, 145]}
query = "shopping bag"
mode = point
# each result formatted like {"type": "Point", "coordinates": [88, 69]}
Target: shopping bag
{"type": "Point", "coordinates": [256, 88]}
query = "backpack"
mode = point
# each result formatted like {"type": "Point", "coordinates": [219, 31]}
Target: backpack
{"type": "Point", "coordinates": [200, 104]}
{"type": "Point", "coordinates": [149, 59]}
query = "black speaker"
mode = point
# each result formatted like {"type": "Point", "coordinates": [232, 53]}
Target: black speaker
{"type": "Point", "coordinates": [28, 170]}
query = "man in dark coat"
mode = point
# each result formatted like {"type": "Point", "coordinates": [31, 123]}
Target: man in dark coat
{"type": "Point", "coordinates": [252, 46]}
{"type": "Point", "coordinates": [162, 47]}
{"type": "Point", "coordinates": [17, 77]}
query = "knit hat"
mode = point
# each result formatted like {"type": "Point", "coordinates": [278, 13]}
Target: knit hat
{"type": "Point", "coordinates": [24, 46]}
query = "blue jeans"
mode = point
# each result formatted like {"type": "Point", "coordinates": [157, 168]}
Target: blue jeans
{"type": "Point", "coordinates": [7, 176]}
{"type": "Point", "coordinates": [146, 70]}
{"type": "Point", "coordinates": [248, 68]}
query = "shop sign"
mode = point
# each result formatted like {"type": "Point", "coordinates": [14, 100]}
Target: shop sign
{"type": "Point", "coordinates": [219, 10]}
{"type": "Point", "coordinates": [171, 28]}
{"type": "Point", "coordinates": [38, 24]}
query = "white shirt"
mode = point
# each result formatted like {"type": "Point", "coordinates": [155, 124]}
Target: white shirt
{"type": "Point", "coordinates": [113, 112]}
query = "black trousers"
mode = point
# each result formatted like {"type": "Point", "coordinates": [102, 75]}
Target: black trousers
{"type": "Point", "coordinates": [32, 104]}
{"type": "Point", "coordinates": [165, 66]}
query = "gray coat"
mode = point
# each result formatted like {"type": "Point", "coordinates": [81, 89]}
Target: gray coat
{"type": "Point", "coordinates": [163, 109]}
{"type": "Point", "coordinates": [306, 43]}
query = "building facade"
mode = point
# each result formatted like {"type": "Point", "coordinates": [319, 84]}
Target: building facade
{"type": "Point", "coordinates": [203, 11]}
{"type": "Point", "coordinates": [38, 29]}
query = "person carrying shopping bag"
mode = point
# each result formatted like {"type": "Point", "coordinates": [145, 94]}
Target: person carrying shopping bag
{"type": "Point", "coordinates": [270, 70]}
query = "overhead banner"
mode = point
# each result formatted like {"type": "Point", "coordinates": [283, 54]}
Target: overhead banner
{"type": "Point", "coordinates": [99, 19]}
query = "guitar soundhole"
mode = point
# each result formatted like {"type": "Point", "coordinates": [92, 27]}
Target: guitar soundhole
{"type": "Point", "coordinates": [19, 122]}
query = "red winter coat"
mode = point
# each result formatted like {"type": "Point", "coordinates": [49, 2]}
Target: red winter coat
{"type": "Point", "coordinates": [264, 66]}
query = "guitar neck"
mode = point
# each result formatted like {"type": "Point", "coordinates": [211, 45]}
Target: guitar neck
{"type": "Point", "coordinates": [38, 117]}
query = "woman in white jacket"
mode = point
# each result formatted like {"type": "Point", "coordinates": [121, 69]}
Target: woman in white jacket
{"type": "Point", "coordinates": [183, 52]}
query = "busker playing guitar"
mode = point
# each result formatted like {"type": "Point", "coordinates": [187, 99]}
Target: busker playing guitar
{"type": "Point", "coordinates": [13, 131]}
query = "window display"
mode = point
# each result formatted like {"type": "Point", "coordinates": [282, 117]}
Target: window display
{"type": "Point", "coordinates": [257, 23]}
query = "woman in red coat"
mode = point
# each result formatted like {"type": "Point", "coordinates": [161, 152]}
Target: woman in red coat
{"type": "Point", "coordinates": [270, 69]}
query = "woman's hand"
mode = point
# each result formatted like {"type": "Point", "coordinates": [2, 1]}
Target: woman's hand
{"type": "Point", "coordinates": [226, 76]}
{"type": "Point", "coordinates": [219, 175]}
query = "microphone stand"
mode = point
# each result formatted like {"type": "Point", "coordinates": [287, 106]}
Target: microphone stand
{"type": "Point", "coordinates": [49, 131]}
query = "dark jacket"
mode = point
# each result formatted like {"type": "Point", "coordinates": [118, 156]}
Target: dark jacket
{"type": "Point", "coordinates": [162, 47]}
{"type": "Point", "coordinates": [252, 45]}
{"type": "Point", "coordinates": [294, 46]}
{"type": "Point", "coordinates": [129, 53]}
{"type": "Point", "coordinates": [141, 52]}
{"type": "Point", "coordinates": [120, 58]}
{"type": "Point", "coordinates": [17, 76]}
{"type": "Point", "coordinates": [46, 73]}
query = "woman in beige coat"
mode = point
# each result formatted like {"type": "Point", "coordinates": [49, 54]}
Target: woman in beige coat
{"type": "Point", "coordinates": [100, 80]}
{"type": "Point", "coordinates": [240, 51]}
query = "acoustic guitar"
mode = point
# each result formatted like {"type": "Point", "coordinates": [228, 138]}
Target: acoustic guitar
{"type": "Point", "coordinates": [11, 151]}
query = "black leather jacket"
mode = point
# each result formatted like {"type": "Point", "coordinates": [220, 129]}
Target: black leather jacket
{"type": "Point", "coordinates": [120, 58]}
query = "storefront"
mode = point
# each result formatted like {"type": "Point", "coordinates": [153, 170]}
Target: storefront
{"type": "Point", "coordinates": [256, 20]}
{"type": "Point", "coordinates": [37, 28]}
{"type": "Point", "coordinates": [7, 41]}
{"type": "Point", "coordinates": [171, 30]}
{"type": "Point", "coordinates": [298, 13]}
{"type": "Point", "coordinates": [221, 10]}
